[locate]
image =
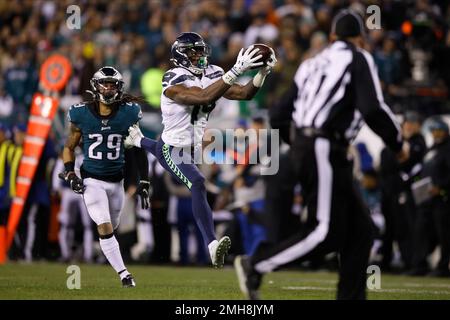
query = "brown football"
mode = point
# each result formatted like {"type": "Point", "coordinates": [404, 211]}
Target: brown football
{"type": "Point", "coordinates": [265, 51]}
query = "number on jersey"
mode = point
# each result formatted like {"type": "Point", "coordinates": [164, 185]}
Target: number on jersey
{"type": "Point", "coordinates": [207, 108]}
{"type": "Point", "coordinates": [112, 143]}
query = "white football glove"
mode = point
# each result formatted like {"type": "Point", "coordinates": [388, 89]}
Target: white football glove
{"type": "Point", "coordinates": [134, 137]}
{"type": "Point", "coordinates": [245, 61]}
{"type": "Point", "coordinates": [259, 78]}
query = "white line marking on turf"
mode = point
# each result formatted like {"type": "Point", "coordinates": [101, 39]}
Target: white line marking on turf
{"type": "Point", "coordinates": [386, 283]}
{"type": "Point", "coordinates": [309, 288]}
{"type": "Point", "coordinates": [379, 290]}
{"type": "Point", "coordinates": [313, 280]}
{"type": "Point", "coordinates": [428, 285]}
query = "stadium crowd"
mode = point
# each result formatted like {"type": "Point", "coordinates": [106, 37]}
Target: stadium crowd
{"type": "Point", "coordinates": [411, 51]}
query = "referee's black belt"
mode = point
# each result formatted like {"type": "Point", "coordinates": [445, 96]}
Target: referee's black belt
{"type": "Point", "coordinates": [312, 132]}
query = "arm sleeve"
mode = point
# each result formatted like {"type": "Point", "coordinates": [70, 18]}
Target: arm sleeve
{"type": "Point", "coordinates": [131, 171]}
{"type": "Point", "coordinates": [136, 166]}
{"type": "Point", "coordinates": [281, 113]}
{"type": "Point", "coordinates": [369, 101]}
{"type": "Point", "coordinates": [142, 163]}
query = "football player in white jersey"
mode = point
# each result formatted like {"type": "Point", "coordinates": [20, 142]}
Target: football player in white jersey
{"type": "Point", "coordinates": [190, 91]}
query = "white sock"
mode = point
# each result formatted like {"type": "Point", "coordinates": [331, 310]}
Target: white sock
{"type": "Point", "coordinates": [111, 250]}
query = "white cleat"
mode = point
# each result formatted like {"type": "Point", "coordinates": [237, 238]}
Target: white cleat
{"type": "Point", "coordinates": [218, 250]}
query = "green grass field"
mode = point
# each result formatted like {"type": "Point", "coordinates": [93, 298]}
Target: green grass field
{"type": "Point", "coordinates": [48, 281]}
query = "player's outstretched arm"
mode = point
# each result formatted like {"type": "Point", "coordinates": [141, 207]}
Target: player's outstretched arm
{"type": "Point", "coordinates": [247, 92]}
{"type": "Point", "coordinates": [138, 160]}
{"type": "Point", "coordinates": [198, 96]}
{"type": "Point", "coordinates": [71, 143]}
{"type": "Point", "coordinates": [69, 160]}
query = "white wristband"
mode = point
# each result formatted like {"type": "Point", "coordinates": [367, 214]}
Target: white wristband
{"type": "Point", "coordinates": [258, 79]}
{"type": "Point", "coordinates": [230, 77]}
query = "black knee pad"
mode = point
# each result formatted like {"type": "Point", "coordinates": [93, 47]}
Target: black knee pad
{"type": "Point", "coordinates": [106, 236]}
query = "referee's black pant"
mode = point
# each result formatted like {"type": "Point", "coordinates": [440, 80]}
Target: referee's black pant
{"type": "Point", "coordinates": [338, 220]}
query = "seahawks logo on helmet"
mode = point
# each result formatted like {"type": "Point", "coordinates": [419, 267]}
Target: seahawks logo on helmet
{"type": "Point", "coordinates": [107, 85]}
{"type": "Point", "coordinates": [191, 52]}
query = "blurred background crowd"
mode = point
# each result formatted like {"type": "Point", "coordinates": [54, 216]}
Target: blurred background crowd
{"type": "Point", "coordinates": [411, 51]}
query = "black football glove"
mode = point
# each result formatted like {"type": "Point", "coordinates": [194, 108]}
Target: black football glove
{"type": "Point", "coordinates": [76, 184]}
{"type": "Point", "coordinates": [144, 192]}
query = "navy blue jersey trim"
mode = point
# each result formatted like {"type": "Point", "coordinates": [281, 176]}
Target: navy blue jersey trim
{"type": "Point", "coordinates": [214, 75]}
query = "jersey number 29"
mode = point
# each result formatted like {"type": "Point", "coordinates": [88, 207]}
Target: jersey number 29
{"type": "Point", "coordinates": [113, 144]}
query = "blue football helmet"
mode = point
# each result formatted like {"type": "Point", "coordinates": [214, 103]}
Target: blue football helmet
{"type": "Point", "coordinates": [107, 85]}
{"type": "Point", "coordinates": [191, 52]}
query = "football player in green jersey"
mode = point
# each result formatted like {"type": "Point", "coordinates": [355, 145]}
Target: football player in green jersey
{"type": "Point", "coordinates": [101, 125]}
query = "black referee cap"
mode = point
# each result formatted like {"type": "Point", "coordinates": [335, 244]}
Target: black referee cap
{"type": "Point", "coordinates": [347, 23]}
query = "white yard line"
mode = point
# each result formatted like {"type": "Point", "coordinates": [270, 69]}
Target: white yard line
{"type": "Point", "coordinates": [384, 282]}
{"type": "Point", "coordinates": [304, 288]}
{"type": "Point", "coordinates": [309, 288]}
{"type": "Point", "coordinates": [427, 285]}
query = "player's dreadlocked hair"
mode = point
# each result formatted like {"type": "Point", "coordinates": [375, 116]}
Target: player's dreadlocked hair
{"type": "Point", "coordinates": [126, 97]}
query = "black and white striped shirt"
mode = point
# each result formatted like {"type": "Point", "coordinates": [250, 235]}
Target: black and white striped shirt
{"type": "Point", "coordinates": [335, 91]}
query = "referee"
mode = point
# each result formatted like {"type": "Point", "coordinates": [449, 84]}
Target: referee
{"type": "Point", "coordinates": [331, 95]}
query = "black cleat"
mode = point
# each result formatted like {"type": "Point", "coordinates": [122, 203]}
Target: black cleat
{"type": "Point", "coordinates": [128, 282]}
{"type": "Point", "coordinates": [249, 279]}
